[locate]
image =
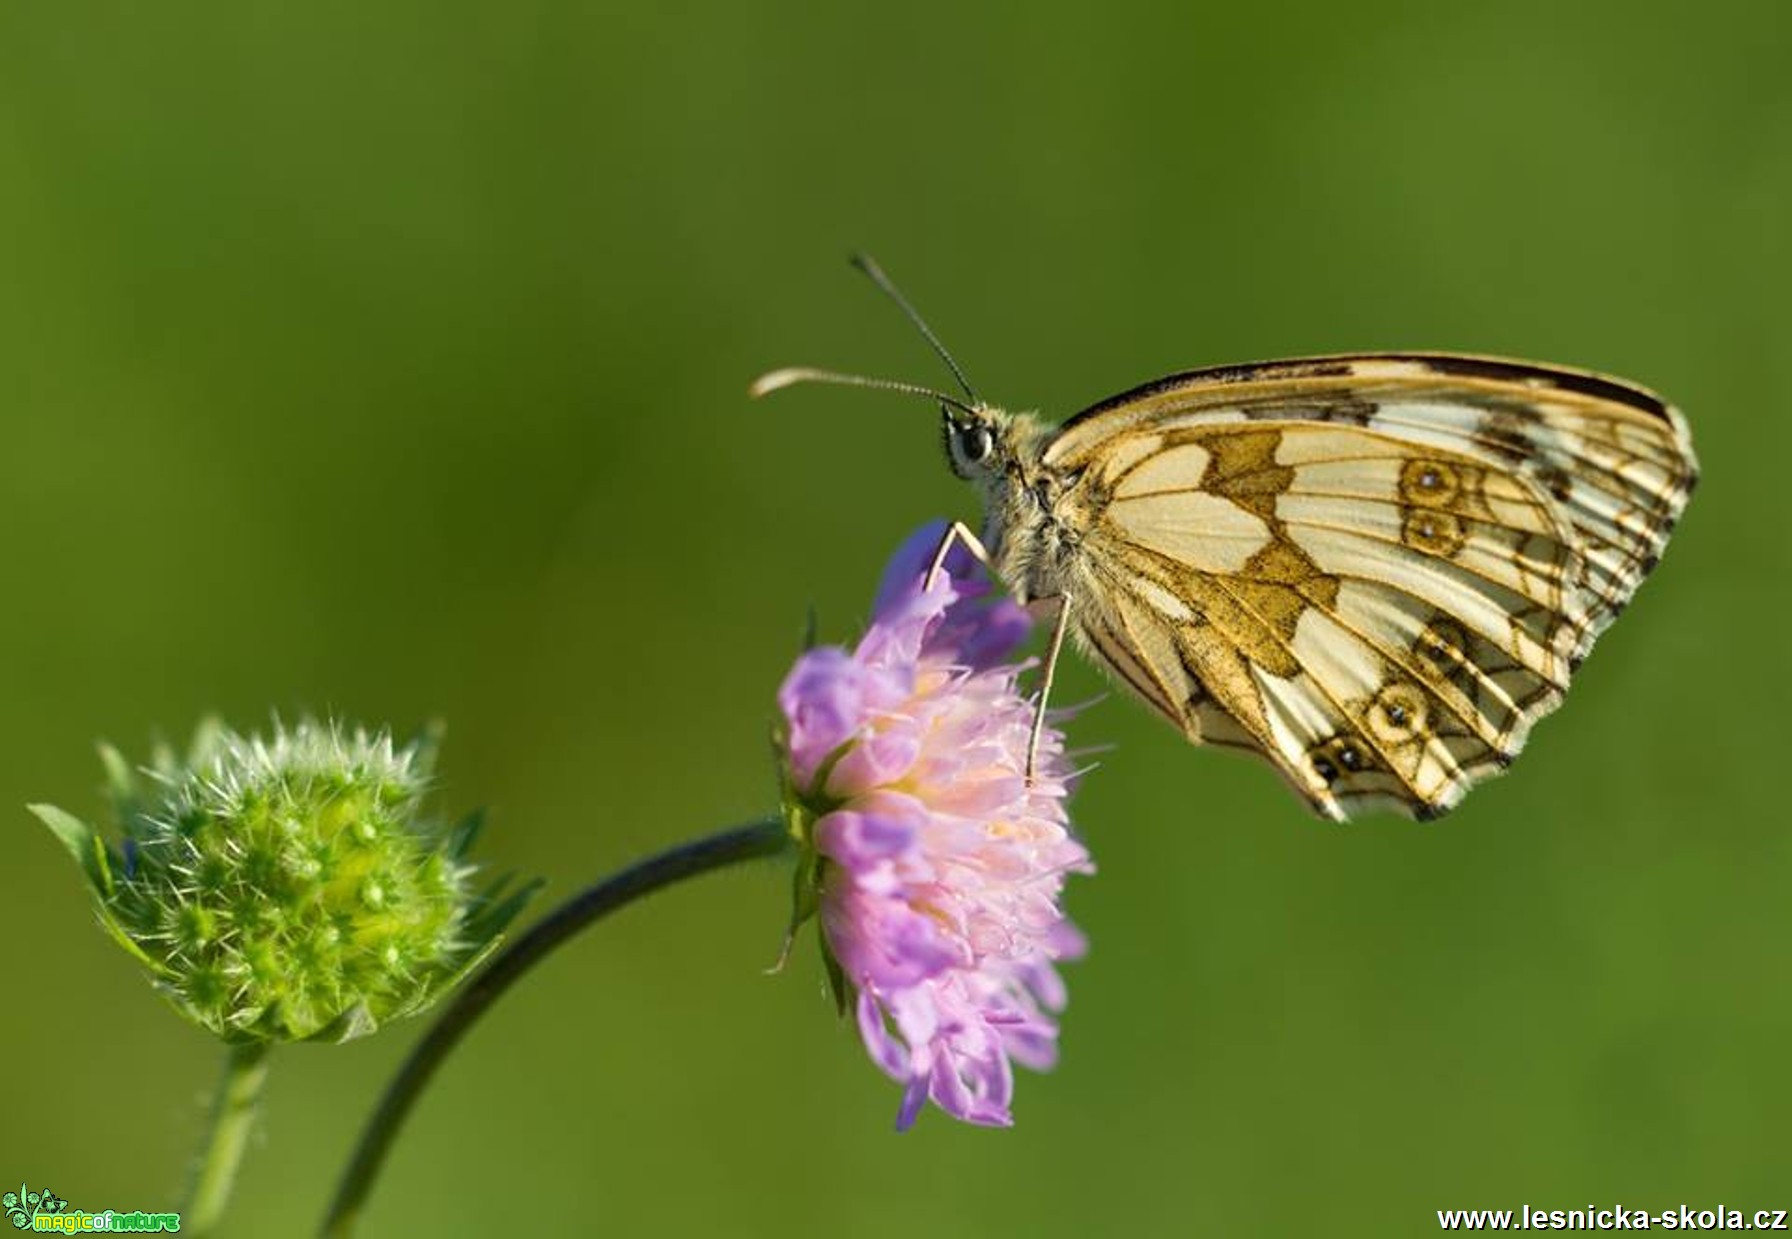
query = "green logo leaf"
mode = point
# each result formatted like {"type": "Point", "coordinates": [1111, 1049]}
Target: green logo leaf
{"type": "Point", "coordinates": [25, 1204]}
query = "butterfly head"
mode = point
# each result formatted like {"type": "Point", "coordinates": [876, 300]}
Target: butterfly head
{"type": "Point", "coordinates": [981, 443]}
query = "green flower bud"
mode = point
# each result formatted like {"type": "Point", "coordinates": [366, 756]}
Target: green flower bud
{"type": "Point", "coordinates": [288, 888]}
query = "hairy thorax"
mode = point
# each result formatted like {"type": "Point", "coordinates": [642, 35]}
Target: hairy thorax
{"type": "Point", "coordinates": [1035, 518]}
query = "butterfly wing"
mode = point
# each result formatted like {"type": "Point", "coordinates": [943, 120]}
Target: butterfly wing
{"type": "Point", "coordinates": [1376, 571]}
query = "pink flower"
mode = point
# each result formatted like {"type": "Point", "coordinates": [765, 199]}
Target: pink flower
{"type": "Point", "coordinates": [934, 865]}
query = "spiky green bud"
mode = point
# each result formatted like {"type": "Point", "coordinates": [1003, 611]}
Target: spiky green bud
{"type": "Point", "coordinates": [289, 888]}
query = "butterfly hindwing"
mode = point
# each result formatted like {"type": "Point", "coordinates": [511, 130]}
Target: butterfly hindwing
{"type": "Point", "coordinates": [1375, 571]}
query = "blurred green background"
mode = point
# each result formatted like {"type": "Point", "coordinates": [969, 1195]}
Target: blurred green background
{"type": "Point", "coordinates": [391, 361]}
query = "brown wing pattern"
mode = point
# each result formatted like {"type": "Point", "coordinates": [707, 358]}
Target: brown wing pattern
{"type": "Point", "coordinates": [1376, 571]}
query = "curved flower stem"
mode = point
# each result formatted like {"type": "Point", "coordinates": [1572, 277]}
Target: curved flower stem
{"type": "Point", "coordinates": [233, 1114]}
{"type": "Point", "coordinates": [717, 851]}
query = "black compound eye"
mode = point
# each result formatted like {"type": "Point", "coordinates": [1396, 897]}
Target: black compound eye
{"type": "Point", "coordinates": [970, 444]}
{"type": "Point", "coordinates": [975, 442]}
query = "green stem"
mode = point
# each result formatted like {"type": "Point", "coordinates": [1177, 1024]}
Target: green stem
{"type": "Point", "coordinates": [717, 851]}
{"type": "Point", "coordinates": [233, 1114]}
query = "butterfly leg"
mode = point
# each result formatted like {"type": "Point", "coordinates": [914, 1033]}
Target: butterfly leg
{"type": "Point", "coordinates": [957, 534]}
{"type": "Point", "coordinates": [1052, 650]}
{"type": "Point", "coordinates": [960, 533]}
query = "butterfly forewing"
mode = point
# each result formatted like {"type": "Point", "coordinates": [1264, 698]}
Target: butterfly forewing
{"type": "Point", "coordinates": [1376, 571]}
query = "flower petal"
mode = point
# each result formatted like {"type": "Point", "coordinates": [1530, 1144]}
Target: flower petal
{"type": "Point", "coordinates": [940, 860]}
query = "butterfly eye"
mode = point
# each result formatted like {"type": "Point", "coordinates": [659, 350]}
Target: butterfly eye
{"type": "Point", "coordinates": [975, 442]}
{"type": "Point", "coordinates": [969, 444]}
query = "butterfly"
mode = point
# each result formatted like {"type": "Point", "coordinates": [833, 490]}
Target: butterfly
{"type": "Point", "coordinates": [1376, 571]}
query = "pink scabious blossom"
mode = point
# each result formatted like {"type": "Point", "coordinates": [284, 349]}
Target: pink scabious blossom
{"type": "Point", "coordinates": [933, 864]}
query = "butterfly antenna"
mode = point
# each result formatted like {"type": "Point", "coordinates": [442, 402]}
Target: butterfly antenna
{"type": "Point", "coordinates": [777, 380]}
{"type": "Point", "coordinates": [875, 273]}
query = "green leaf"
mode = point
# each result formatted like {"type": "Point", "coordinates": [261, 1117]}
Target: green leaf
{"type": "Point", "coordinates": [836, 978]}
{"type": "Point", "coordinates": [121, 781]}
{"type": "Point", "coordinates": [493, 910]}
{"type": "Point", "coordinates": [466, 969]}
{"type": "Point", "coordinates": [463, 835]}
{"type": "Point", "coordinates": [88, 849]}
{"type": "Point", "coordinates": [112, 926]}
